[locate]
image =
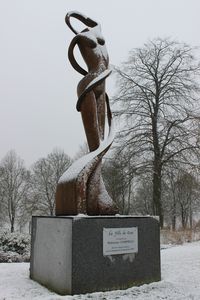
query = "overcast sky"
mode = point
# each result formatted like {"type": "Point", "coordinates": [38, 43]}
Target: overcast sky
{"type": "Point", "coordinates": [38, 85]}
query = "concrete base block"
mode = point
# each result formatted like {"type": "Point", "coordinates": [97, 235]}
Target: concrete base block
{"type": "Point", "coordinates": [68, 253]}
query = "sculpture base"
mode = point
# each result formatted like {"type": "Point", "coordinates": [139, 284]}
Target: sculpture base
{"type": "Point", "coordinates": [77, 255]}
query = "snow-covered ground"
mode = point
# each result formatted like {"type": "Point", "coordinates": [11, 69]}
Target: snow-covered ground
{"type": "Point", "coordinates": [180, 280]}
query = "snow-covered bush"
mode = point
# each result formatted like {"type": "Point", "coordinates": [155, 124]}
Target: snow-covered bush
{"type": "Point", "coordinates": [15, 242]}
{"type": "Point", "coordinates": [14, 246]}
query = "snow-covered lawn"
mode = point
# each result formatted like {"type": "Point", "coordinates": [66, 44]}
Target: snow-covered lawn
{"type": "Point", "coordinates": [180, 280]}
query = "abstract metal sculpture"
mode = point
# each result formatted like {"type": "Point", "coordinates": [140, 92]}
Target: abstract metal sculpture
{"type": "Point", "coordinates": [81, 189]}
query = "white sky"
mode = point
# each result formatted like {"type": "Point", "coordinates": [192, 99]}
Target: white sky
{"type": "Point", "coordinates": [38, 84]}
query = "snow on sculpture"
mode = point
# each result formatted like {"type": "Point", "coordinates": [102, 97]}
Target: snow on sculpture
{"type": "Point", "coordinates": [81, 189]}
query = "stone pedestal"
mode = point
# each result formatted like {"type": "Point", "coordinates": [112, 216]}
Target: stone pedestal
{"type": "Point", "coordinates": [76, 255]}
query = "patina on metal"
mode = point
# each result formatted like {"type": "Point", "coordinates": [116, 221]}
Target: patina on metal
{"type": "Point", "coordinates": [81, 189]}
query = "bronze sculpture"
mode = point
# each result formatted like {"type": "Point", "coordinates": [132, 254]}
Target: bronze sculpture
{"type": "Point", "coordinates": [81, 188]}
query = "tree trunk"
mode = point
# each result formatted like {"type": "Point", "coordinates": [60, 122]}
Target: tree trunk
{"type": "Point", "coordinates": [174, 215]}
{"type": "Point", "coordinates": [173, 222]}
{"type": "Point", "coordinates": [51, 210]}
{"type": "Point", "coordinates": [191, 215]}
{"type": "Point", "coordinates": [30, 227]}
{"type": "Point", "coordinates": [183, 217]}
{"type": "Point", "coordinates": [12, 224]}
{"type": "Point", "coordinates": [129, 195]}
{"type": "Point", "coordinates": [157, 205]}
{"type": "Point", "coordinates": [157, 167]}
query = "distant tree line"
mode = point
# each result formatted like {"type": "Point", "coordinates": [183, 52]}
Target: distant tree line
{"type": "Point", "coordinates": [153, 167]}
{"type": "Point", "coordinates": [132, 190]}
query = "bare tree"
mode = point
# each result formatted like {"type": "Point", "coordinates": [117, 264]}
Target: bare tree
{"type": "Point", "coordinates": [169, 195]}
{"type": "Point", "coordinates": [45, 175]}
{"type": "Point", "coordinates": [119, 180]}
{"type": "Point", "coordinates": [157, 93]}
{"type": "Point", "coordinates": [14, 184]}
{"type": "Point", "coordinates": [143, 203]}
{"type": "Point", "coordinates": [2, 204]}
{"type": "Point", "coordinates": [186, 192]}
{"type": "Point", "coordinates": [83, 150]}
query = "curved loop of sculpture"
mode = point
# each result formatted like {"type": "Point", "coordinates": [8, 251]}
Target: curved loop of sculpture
{"type": "Point", "coordinates": [81, 188]}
